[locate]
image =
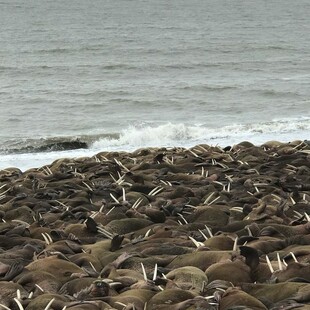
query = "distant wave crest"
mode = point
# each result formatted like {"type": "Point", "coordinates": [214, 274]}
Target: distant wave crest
{"type": "Point", "coordinates": [169, 135]}
{"type": "Point", "coordinates": [184, 135]}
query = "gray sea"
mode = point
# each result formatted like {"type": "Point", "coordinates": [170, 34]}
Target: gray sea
{"type": "Point", "coordinates": [78, 77]}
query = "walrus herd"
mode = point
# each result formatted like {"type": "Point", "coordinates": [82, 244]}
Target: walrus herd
{"type": "Point", "coordinates": [159, 228]}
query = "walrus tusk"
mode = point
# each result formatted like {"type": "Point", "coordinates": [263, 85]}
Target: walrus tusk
{"type": "Point", "coordinates": [294, 257]}
{"type": "Point", "coordinates": [209, 231]}
{"type": "Point", "coordinates": [144, 273]}
{"type": "Point", "coordinates": [49, 304]}
{"type": "Point", "coordinates": [202, 233]}
{"type": "Point", "coordinates": [155, 272]}
{"type": "Point", "coordinates": [20, 306]}
{"type": "Point", "coordinates": [269, 264]}
{"type": "Point", "coordinates": [197, 243]}
{"type": "Point", "coordinates": [279, 262]}
{"type": "Point", "coordinates": [111, 195]}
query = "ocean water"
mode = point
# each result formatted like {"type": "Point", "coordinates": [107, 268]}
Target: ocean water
{"type": "Point", "coordinates": [78, 77]}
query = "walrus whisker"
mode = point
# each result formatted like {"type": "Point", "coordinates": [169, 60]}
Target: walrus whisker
{"type": "Point", "coordinates": [209, 231]}
{"type": "Point", "coordinates": [183, 218]}
{"type": "Point", "coordinates": [269, 264]}
{"type": "Point", "coordinates": [49, 304]}
{"type": "Point", "coordinates": [155, 272]}
{"type": "Point", "coordinates": [20, 306]}
{"type": "Point", "coordinates": [202, 233]}
{"type": "Point", "coordinates": [279, 261]}
{"type": "Point", "coordinates": [144, 272]}
{"type": "Point", "coordinates": [294, 257]}
{"type": "Point", "coordinates": [5, 307]}
{"type": "Point", "coordinates": [112, 196]}
{"type": "Point", "coordinates": [110, 210]}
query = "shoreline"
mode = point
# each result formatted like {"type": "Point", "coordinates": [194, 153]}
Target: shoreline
{"type": "Point", "coordinates": [213, 220]}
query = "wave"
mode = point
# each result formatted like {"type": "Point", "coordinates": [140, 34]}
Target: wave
{"type": "Point", "coordinates": [36, 153]}
{"type": "Point", "coordinates": [50, 144]}
{"type": "Point", "coordinates": [167, 135]}
{"type": "Point", "coordinates": [186, 135]}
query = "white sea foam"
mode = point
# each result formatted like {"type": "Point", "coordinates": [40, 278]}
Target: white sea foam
{"type": "Point", "coordinates": [170, 135]}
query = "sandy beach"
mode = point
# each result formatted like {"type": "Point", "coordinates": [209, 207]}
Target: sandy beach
{"type": "Point", "coordinates": [159, 228]}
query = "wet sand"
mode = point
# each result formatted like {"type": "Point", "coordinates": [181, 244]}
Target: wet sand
{"type": "Point", "coordinates": [159, 228]}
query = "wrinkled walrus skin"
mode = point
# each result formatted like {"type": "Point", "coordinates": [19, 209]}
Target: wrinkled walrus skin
{"type": "Point", "coordinates": [159, 228]}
